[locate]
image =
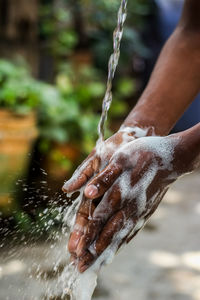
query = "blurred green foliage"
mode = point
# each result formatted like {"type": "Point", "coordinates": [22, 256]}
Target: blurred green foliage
{"type": "Point", "coordinates": [56, 29]}
{"type": "Point", "coordinates": [74, 113]}
{"type": "Point", "coordinates": [101, 19]}
{"type": "Point", "coordinates": [65, 113]}
{"type": "Point", "coordinates": [19, 92]}
{"type": "Point", "coordinates": [68, 111]}
{"type": "Point", "coordinates": [69, 24]}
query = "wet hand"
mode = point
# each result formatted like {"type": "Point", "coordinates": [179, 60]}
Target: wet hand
{"type": "Point", "coordinates": [127, 191]}
{"type": "Point", "coordinates": [91, 167]}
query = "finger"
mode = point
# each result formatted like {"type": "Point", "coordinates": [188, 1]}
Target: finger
{"type": "Point", "coordinates": [85, 262]}
{"type": "Point", "coordinates": [115, 230]}
{"type": "Point", "coordinates": [103, 181]}
{"type": "Point", "coordinates": [85, 210]}
{"type": "Point", "coordinates": [108, 206]}
{"type": "Point", "coordinates": [107, 236]}
{"type": "Point", "coordinates": [82, 175]}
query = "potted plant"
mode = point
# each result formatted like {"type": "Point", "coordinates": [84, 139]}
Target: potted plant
{"type": "Point", "coordinates": [18, 131]}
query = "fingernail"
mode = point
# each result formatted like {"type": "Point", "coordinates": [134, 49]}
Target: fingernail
{"type": "Point", "coordinates": [91, 191]}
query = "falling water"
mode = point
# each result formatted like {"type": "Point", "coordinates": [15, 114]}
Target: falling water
{"type": "Point", "coordinates": [81, 286]}
{"type": "Point", "coordinates": [87, 281]}
{"type": "Point", "coordinates": [112, 65]}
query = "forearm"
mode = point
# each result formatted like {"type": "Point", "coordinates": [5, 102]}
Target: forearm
{"type": "Point", "coordinates": [173, 85]}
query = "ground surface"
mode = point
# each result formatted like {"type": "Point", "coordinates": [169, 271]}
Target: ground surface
{"type": "Point", "coordinates": [162, 263]}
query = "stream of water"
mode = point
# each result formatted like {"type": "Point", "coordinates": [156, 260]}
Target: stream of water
{"type": "Point", "coordinates": [81, 286]}
{"type": "Point", "coordinates": [112, 65]}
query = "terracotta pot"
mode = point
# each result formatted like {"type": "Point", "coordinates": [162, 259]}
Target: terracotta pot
{"type": "Point", "coordinates": [17, 134]}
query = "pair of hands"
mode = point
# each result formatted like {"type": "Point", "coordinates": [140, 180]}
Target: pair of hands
{"type": "Point", "coordinates": [124, 181]}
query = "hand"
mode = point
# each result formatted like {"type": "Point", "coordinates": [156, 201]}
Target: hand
{"type": "Point", "coordinates": [98, 160]}
{"type": "Point", "coordinates": [131, 186]}
{"type": "Point", "coordinates": [91, 167]}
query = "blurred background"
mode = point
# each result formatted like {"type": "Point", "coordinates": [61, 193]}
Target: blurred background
{"type": "Point", "coordinates": [53, 71]}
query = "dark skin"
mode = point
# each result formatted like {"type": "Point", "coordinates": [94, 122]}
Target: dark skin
{"type": "Point", "coordinates": [173, 85]}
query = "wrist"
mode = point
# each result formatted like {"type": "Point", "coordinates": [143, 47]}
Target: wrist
{"type": "Point", "coordinates": [141, 116]}
{"type": "Point", "coordinates": [188, 150]}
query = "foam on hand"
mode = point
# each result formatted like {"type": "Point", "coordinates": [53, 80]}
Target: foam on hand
{"type": "Point", "coordinates": [162, 147]}
{"type": "Point", "coordinates": [136, 131]}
